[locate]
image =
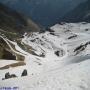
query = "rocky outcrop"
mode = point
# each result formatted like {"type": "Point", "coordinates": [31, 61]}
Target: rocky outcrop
{"type": "Point", "coordinates": [81, 48]}
{"type": "Point", "coordinates": [24, 73]}
{"type": "Point", "coordinates": [8, 76]}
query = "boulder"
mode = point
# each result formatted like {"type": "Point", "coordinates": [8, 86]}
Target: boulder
{"type": "Point", "coordinates": [7, 76]}
{"type": "Point", "coordinates": [24, 73]}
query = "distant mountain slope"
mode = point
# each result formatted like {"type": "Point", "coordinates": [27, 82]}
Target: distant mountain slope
{"type": "Point", "coordinates": [44, 12]}
{"type": "Point", "coordinates": [13, 21]}
{"type": "Point", "coordinates": [80, 13]}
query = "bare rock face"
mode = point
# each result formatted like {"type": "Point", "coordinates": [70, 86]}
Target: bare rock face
{"type": "Point", "coordinates": [81, 48]}
{"type": "Point", "coordinates": [60, 53]}
{"type": "Point", "coordinates": [24, 73]}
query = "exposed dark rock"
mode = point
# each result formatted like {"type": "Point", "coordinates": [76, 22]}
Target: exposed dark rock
{"type": "Point", "coordinates": [57, 53]}
{"type": "Point", "coordinates": [60, 53]}
{"type": "Point", "coordinates": [72, 36]}
{"type": "Point", "coordinates": [7, 76]}
{"type": "Point", "coordinates": [81, 47]}
{"type": "Point", "coordinates": [86, 29]}
{"type": "Point", "coordinates": [24, 73]}
{"type": "Point", "coordinates": [13, 75]}
{"type": "Point", "coordinates": [52, 33]}
{"type": "Point", "coordinates": [33, 40]}
{"type": "Point", "coordinates": [87, 43]}
{"type": "Point", "coordinates": [67, 31]}
{"type": "Point", "coordinates": [42, 55]}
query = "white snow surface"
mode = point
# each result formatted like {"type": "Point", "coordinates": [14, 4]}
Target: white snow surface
{"type": "Point", "coordinates": [57, 65]}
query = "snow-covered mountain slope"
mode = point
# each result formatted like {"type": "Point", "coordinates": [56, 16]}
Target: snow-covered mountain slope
{"type": "Point", "coordinates": [58, 59]}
